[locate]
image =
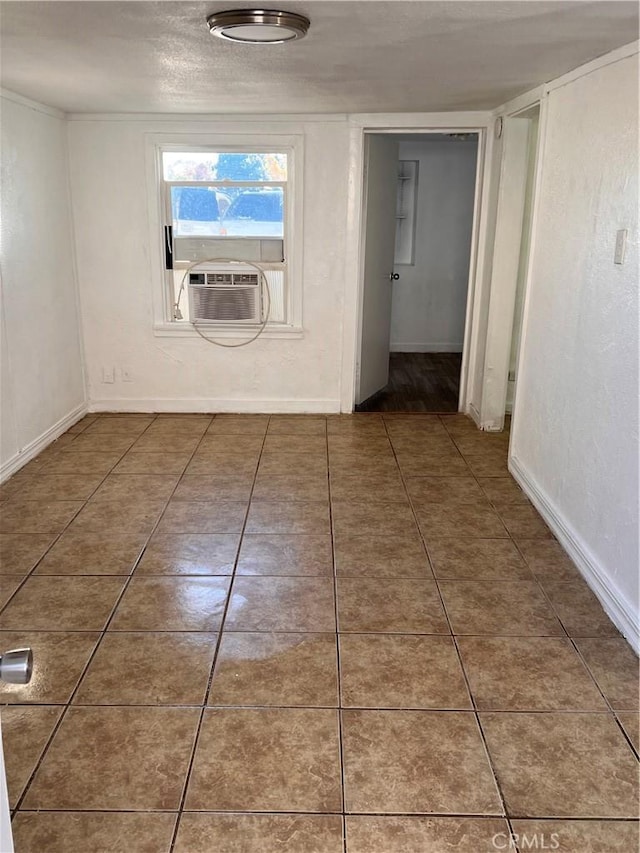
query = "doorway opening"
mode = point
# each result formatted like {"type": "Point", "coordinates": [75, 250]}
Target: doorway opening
{"type": "Point", "coordinates": [419, 201]}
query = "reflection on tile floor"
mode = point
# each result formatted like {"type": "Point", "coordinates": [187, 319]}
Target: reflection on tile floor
{"type": "Point", "coordinates": [304, 634]}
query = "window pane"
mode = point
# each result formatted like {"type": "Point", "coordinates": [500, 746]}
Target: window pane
{"type": "Point", "coordinates": [224, 166]}
{"type": "Point", "coordinates": [196, 210]}
{"type": "Point", "coordinates": [254, 212]}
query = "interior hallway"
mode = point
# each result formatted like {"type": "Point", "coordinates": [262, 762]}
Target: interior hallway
{"type": "Point", "coordinates": [419, 382]}
{"type": "Point", "coordinates": [253, 632]}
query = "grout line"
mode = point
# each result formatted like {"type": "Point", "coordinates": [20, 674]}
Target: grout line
{"type": "Point", "coordinates": [102, 633]}
{"type": "Point", "coordinates": [338, 660]}
{"type": "Point", "coordinates": [207, 691]}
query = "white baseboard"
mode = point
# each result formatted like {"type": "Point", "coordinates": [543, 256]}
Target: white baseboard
{"type": "Point", "coordinates": [31, 450]}
{"type": "Point", "coordinates": [437, 347]}
{"type": "Point", "coordinates": [197, 404]}
{"type": "Point", "coordinates": [622, 612]}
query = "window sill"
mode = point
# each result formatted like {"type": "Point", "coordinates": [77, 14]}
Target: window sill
{"type": "Point", "coordinates": [186, 330]}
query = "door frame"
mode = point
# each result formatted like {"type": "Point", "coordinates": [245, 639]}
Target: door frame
{"type": "Point", "coordinates": [361, 125]}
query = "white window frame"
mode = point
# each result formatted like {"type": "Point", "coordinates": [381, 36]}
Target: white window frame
{"type": "Point", "coordinates": [164, 324]}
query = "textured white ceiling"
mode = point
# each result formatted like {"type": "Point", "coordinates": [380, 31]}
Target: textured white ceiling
{"type": "Point", "coordinates": [367, 56]}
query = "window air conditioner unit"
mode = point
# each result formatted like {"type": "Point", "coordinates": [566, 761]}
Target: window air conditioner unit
{"type": "Point", "coordinates": [220, 296]}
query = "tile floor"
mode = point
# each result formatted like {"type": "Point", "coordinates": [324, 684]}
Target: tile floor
{"type": "Point", "coordinates": [304, 634]}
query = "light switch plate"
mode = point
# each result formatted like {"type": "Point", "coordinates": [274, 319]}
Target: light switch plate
{"type": "Point", "coordinates": [621, 245]}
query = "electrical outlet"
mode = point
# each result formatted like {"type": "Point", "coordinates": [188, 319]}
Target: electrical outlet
{"type": "Point", "coordinates": [109, 375]}
{"type": "Point", "coordinates": [125, 374]}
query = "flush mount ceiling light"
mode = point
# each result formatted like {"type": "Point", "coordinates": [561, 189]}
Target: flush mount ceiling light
{"type": "Point", "coordinates": [258, 26]}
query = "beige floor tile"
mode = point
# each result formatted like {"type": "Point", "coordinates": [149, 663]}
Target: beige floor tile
{"type": "Point", "coordinates": [502, 491]}
{"type": "Point", "coordinates": [381, 488]}
{"type": "Point", "coordinates": [19, 552]}
{"type": "Point", "coordinates": [252, 833]}
{"type": "Point", "coordinates": [25, 732]}
{"type": "Point", "coordinates": [219, 444]}
{"type": "Point", "coordinates": [287, 517]}
{"type": "Point", "coordinates": [134, 516]}
{"type": "Point", "coordinates": [297, 425]}
{"type": "Point", "coordinates": [510, 608]}
{"type": "Point", "coordinates": [524, 522]}
{"type": "Point", "coordinates": [462, 521]}
{"type": "Point", "coordinates": [110, 443]}
{"type": "Point", "coordinates": [483, 442]}
{"type": "Point", "coordinates": [358, 463]}
{"type": "Point", "coordinates": [222, 465]}
{"type": "Point", "coordinates": [285, 554]}
{"type": "Point", "coordinates": [397, 671]}
{"type": "Point", "coordinates": [631, 724]}
{"type": "Point", "coordinates": [185, 425]}
{"type": "Point", "coordinates": [239, 425]}
{"type": "Point", "coordinates": [116, 758]}
{"type": "Point", "coordinates": [81, 832]}
{"type": "Point", "coordinates": [124, 425]}
{"type": "Point", "coordinates": [77, 553]}
{"type": "Point", "coordinates": [527, 674]}
{"type": "Point", "coordinates": [203, 517]}
{"type": "Point", "coordinates": [267, 760]}
{"type": "Point", "coordinates": [545, 764]}
{"type": "Point", "coordinates": [157, 669]}
{"type": "Point", "coordinates": [62, 604]}
{"type": "Point", "coordinates": [381, 519]}
{"type": "Point", "coordinates": [416, 762]}
{"type": "Point", "coordinates": [458, 424]}
{"type": "Point", "coordinates": [487, 464]}
{"type": "Point", "coordinates": [37, 516]}
{"type": "Point", "coordinates": [60, 487]}
{"type": "Point", "coordinates": [382, 556]}
{"type": "Point", "coordinates": [398, 422]}
{"type": "Point", "coordinates": [444, 490]}
{"type": "Point", "coordinates": [449, 464]}
{"type": "Point", "coordinates": [359, 443]}
{"type": "Point", "coordinates": [58, 661]}
{"type": "Point", "coordinates": [169, 464]}
{"type": "Point", "coordinates": [287, 487]}
{"type": "Point", "coordinates": [200, 487]}
{"type": "Point", "coordinates": [476, 559]}
{"type": "Point", "coordinates": [357, 423]}
{"type": "Point", "coordinates": [366, 834]}
{"type": "Point", "coordinates": [548, 560]}
{"type": "Point", "coordinates": [293, 465]}
{"type": "Point", "coordinates": [171, 443]}
{"type": "Point", "coordinates": [614, 666]}
{"type": "Point", "coordinates": [8, 585]}
{"type": "Point", "coordinates": [580, 836]}
{"type": "Point", "coordinates": [281, 604]}
{"type": "Point", "coordinates": [390, 606]}
{"type": "Point", "coordinates": [189, 554]}
{"type": "Point", "coordinates": [424, 444]}
{"type": "Point", "coordinates": [95, 462]}
{"type": "Point", "coordinates": [172, 604]}
{"type": "Point", "coordinates": [276, 669]}
{"type": "Point", "coordinates": [131, 487]}
{"type": "Point", "coordinates": [312, 444]}
{"type": "Point", "coordinates": [579, 610]}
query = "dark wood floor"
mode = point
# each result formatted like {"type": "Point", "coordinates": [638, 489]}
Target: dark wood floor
{"type": "Point", "coordinates": [419, 382]}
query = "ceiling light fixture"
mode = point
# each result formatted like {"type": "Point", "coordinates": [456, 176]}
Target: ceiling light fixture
{"type": "Point", "coordinates": [258, 26]}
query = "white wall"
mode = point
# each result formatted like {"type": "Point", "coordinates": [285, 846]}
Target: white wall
{"type": "Point", "coordinates": [41, 370]}
{"type": "Point", "coordinates": [116, 281]}
{"type": "Point", "coordinates": [524, 255]}
{"type": "Point", "coordinates": [575, 431]}
{"type": "Point", "coordinates": [429, 299]}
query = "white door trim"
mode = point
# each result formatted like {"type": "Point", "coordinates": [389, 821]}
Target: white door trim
{"type": "Point", "coordinates": [472, 122]}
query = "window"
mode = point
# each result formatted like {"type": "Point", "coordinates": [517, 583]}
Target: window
{"type": "Point", "coordinates": [220, 204]}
